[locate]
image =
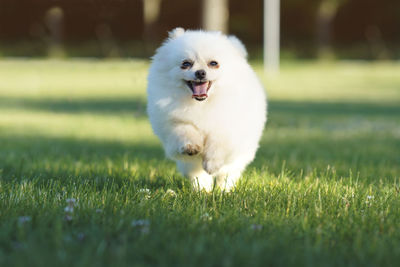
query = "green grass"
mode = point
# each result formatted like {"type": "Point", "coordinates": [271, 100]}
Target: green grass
{"type": "Point", "coordinates": [323, 190]}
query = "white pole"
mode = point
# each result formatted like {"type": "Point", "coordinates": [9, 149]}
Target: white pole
{"type": "Point", "coordinates": [151, 11]}
{"type": "Point", "coordinates": [216, 15]}
{"type": "Point", "coordinates": [271, 35]}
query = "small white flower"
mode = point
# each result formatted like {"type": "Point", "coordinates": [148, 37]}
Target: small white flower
{"type": "Point", "coordinates": [206, 217]}
{"type": "Point", "coordinates": [144, 190]}
{"type": "Point", "coordinates": [136, 223]}
{"type": "Point", "coordinates": [171, 193]}
{"type": "Point", "coordinates": [369, 200]}
{"type": "Point", "coordinates": [69, 209]}
{"type": "Point", "coordinates": [24, 219]}
{"type": "Point", "coordinates": [71, 201]}
{"type": "Point", "coordinates": [142, 225]}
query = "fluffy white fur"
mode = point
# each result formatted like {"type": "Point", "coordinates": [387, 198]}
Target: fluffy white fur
{"type": "Point", "coordinates": [215, 138]}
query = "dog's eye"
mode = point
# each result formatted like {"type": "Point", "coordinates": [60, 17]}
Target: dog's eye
{"type": "Point", "coordinates": [186, 64]}
{"type": "Point", "coordinates": [213, 64]}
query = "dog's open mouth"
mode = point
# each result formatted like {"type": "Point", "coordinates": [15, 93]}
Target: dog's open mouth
{"type": "Point", "coordinates": [199, 89]}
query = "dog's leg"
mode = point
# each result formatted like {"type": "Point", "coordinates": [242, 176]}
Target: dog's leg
{"type": "Point", "coordinates": [226, 181]}
{"type": "Point", "coordinates": [184, 140]}
{"type": "Point", "coordinates": [193, 169]}
{"type": "Point", "coordinates": [216, 154]}
{"type": "Point", "coordinates": [229, 174]}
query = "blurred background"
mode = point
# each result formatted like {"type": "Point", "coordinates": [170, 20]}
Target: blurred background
{"type": "Point", "coordinates": [344, 29]}
{"type": "Point", "coordinates": [73, 82]}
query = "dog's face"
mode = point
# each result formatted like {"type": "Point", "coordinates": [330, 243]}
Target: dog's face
{"type": "Point", "coordinates": [199, 74]}
{"type": "Point", "coordinates": [198, 61]}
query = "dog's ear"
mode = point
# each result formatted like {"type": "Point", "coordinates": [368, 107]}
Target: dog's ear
{"type": "Point", "coordinates": [175, 33]}
{"type": "Point", "coordinates": [238, 45]}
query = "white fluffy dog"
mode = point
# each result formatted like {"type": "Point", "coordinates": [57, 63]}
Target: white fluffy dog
{"type": "Point", "coordinates": [206, 105]}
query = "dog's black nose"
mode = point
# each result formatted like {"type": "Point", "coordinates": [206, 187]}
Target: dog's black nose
{"type": "Point", "coordinates": [200, 74]}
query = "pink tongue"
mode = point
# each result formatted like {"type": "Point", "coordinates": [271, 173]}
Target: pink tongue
{"type": "Point", "coordinates": [200, 89]}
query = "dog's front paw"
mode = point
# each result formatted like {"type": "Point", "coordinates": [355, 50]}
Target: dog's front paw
{"type": "Point", "coordinates": [203, 183]}
{"type": "Point", "coordinates": [211, 166]}
{"type": "Point", "coordinates": [190, 149]}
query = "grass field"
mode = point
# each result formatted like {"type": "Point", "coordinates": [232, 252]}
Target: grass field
{"type": "Point", "coordinates": [84, 182]}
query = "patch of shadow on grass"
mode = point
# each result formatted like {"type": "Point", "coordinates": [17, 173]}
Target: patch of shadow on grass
{"type": "Point", "coordinates": [101, 162]}
{"type": "Point", "coordinates": [297, 108]}
{"type": "Point", "coordinates": [135, 106]}
{"type": "Point", "coordinates": [347, 146]}
{"type": "Point", "coordinates": [369, 157]}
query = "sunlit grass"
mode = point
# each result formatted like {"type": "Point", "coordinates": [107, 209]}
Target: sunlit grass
{"type": "Point", "coordinates": [322, 191]}
{"type": "Point", "coordinates": [343, 81]}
